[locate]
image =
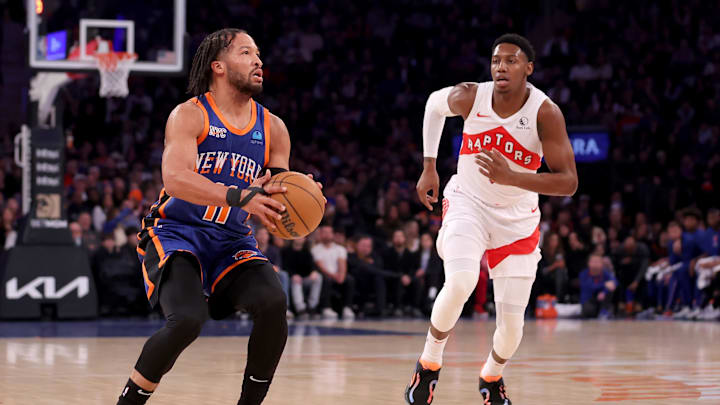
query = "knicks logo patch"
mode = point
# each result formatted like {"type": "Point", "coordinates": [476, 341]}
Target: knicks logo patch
{"type": "Point", "coordinates": [501, 140]}
{"type": "Point", "coordinates": [245, 254]}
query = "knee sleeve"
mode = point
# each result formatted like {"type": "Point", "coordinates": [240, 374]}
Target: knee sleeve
{"type": "Point", "coordinates": [509, 332]}
{"type": "Point", "coordinates": [185, 327]}
{"type": "Point", "coordinates": [461, 276]}
{"type": "Point", "coordinates": [257, 291]}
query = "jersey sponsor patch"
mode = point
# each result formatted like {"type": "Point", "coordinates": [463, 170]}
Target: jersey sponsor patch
{"type": "Point", "coordinates": [217, 132]}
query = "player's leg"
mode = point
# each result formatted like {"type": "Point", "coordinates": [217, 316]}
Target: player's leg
{"type": "Point", "coordinates": [511, 298]}
{"type": "Point", "coordinates": [461, 243]}
{"type": "Point", "coordinates": [181, 299]}
{"type": "Point", "coordinates": [257, 290]}
{"type": "Point", "coordinates": [298, 295]}
{"type": "Point", "coordinates": [315, 285]}
{"type": "Point", "coordinates": [347, 291]}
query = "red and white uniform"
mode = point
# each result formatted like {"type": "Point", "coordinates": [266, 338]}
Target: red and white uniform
{"type": "Point", "coordinates": [502, 220]}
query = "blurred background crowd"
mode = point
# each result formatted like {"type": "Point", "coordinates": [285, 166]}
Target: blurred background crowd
{"type": "Point", "coordinates": [350, 80]}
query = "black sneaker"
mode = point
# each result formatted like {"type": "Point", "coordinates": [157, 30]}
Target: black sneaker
{"type": "Point", "coordinates": [493, 393]}
{"type": "Point", "coordinates": [422, 386]}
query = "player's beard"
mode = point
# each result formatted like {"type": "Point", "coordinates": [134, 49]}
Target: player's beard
{"type": "Point", "coordinates": [244, 85]}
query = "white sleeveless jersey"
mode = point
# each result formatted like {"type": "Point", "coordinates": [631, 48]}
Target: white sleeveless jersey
{"type": "Point", "coordinates": [515, 137]}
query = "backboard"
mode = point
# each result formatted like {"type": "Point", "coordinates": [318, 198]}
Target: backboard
{"type": "Point", "coordinates": [64, 34]}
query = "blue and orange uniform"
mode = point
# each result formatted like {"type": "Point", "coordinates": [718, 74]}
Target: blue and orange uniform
{"type": "Point", "coordinates": [219, 237]}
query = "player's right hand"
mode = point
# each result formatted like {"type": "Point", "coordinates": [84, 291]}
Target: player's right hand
{"type": "Point", "coordinates": [263, 206]}
{"type": "Point", "coordinates": [429, 181]}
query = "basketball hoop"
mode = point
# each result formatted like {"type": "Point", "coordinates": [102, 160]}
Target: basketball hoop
{"type": "Point", "coordinates": [114, 70]}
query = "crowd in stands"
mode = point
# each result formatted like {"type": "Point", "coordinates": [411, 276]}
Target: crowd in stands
{"type": "Point", "coordinates": [350, 80]}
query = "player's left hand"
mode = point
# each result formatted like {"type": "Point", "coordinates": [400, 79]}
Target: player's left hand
{"type": "Point", "coordinates": [494, 166]}
{"type": "Point", "coordinates": [319, 185]}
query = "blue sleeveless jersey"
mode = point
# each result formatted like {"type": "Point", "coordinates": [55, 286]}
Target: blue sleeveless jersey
{"type": "Point", "coordinates": [227, 155]}
{"type": "Point", "coordinates": [218, 237]}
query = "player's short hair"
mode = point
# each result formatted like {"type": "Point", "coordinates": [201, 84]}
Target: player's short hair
{"type": "Point", "coordinates": [208, 51]}
{"type": "Point", "coordinates": [520, 41]}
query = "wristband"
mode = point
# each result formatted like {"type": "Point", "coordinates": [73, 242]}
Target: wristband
{"type": "Point", "coordinates": [276, 170]}
{"type": "Point", "coordinates": [234, 195]}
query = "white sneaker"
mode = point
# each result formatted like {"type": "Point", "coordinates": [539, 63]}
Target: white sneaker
{"type": "Point", "coordinates": [709, 314]}
{"type": "Point", "coordinates": [329, 314]}
{"type": "Point", "coordinates": [348, 314]}
{"type": "Point", "coordinates": [694, 313]}
{"type": "Point", "coordinates": [682, 314]}
{"type": "Point", "coordinates": [289, 315]}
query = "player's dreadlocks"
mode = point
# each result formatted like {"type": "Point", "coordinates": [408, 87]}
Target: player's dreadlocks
{"type": "Point", "coordinates": [208, 51]}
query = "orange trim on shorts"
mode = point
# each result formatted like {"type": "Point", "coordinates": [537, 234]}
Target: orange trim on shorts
{"type": "Point", "coordinates": [266, 127]}
{"type": "Point", "coordinates": [232, 266]}
{"type": "Point", "coordinates": [519, 247]}
{"type": "Point", "coordinates": [235, 130]}
{"type": "Point", "coordinates": [142, 252]}
{"type": "Point", "coordinates": [158, 246]}
{"type": "Point", "coordinates": [161, 210]}
{"type": "Point", "coordinates": [155, 204]}
{"type": "Point", "coordinates": [206, 126]}
{"type": "Point", "coordinates": [151, 286]}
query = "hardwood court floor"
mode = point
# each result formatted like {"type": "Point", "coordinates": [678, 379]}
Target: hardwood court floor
{"type": "Point", "coordinates": [563, 362]}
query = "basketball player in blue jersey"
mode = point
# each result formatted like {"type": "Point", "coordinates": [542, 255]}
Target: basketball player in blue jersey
{"type": "Point", "coordinates": [198, 254]}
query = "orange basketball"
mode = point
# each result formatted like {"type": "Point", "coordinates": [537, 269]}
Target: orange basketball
{"type": "Point", "coordinates": [304, 205]}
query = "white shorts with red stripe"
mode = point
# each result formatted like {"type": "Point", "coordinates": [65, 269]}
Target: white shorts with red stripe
{"type": "Point", "coordinates": [509, 235]}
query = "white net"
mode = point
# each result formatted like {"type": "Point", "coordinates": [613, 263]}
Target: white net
{"type": "Point", "coordinates": [114, 70]}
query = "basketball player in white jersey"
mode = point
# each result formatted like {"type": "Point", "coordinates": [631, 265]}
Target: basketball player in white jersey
{"type": "Point", "coordinates": [491, 204]}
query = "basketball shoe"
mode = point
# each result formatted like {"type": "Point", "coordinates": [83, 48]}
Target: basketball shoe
{"type": "Point", "coordinates": [422, 385]}
{"type": "Point", "coordinates": [493, 393]}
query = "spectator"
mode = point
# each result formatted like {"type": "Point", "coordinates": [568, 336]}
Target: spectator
{"type": "Point", "coordinates": [331, 259]}
{"type": "Point", "coordinates": [431, 267]}
{"type": "Point", "coordinates": [708, 267]}
{"type": "Point", "coordinates": [406, 291]}
{"type": "Point", "coordinates": [299, 263]}
{"type": "Point", "coordinates": [684, 248]}
{"type": "Point", "coordinates": [9, 233]}
{"type": "Point", "coordinates": [367, 268]}
{"type": "Point", "coordinates": [412, 233]}
{"type": "Point", "coordinates": [631, 262]}
{"type": "Point", "coordinates": [553, 275]}
{"type": "Point", "coordinates": [76, 233]}
{"type": "Point", "coordinates": [597, 285]}
{"type": "Point", "coordinates": [575, 258]}
{"type": "Point", "coordinates": [90, 238]}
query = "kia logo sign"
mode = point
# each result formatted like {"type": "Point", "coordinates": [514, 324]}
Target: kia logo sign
{"type": "Point", "coordinates": [590, 146]}
{"type": "Point", "coordinates": [48, 291]}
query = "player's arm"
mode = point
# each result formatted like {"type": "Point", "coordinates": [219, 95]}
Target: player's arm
{"type": "Point", "coordinates": [279, 146]}
{"type": "Point", "coordinates": [184, 126]}
{"type": "Point", "coordinates": [323, 270]}
{"type": "Point", "coordinates": [342, 270]}
{"type": "Point", "coordinates": [561, 180]}
{"type": "Point", "coordinates": [447, 102]}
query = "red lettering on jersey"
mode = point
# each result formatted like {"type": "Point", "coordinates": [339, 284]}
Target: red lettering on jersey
{"type": "Point", "coordinates": [499, 138]}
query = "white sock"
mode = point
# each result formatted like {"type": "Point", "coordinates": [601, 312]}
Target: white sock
{"type": "Point", "coordinates": [433, 352]}
{"type": "Point", "coordinates": [492, 368]}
